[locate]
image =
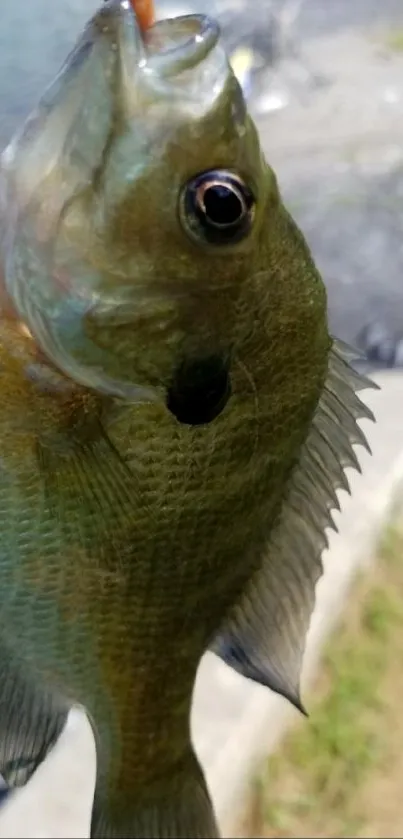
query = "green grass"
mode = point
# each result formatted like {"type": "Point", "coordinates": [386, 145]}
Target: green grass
{"type": "Point", "coordinates": [313, 785]}
{"type": "Point", "coordinates": [395, 40]}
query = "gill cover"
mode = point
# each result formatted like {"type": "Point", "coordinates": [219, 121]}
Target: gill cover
{"type": "Point", "coordinates": [65, 165]}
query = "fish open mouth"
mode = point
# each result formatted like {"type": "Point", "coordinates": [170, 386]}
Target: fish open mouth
{"type": "Point", "coordinates": [199, 391]}
{"type": "Point", "coordinates": [179, 44]}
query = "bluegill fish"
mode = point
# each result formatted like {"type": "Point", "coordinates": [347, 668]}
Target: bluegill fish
{"type": "Point", "coordinates": [175, 417]}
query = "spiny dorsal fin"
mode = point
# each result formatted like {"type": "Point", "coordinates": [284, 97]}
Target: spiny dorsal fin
{"type": "Point", "coordinates": [264, 639]}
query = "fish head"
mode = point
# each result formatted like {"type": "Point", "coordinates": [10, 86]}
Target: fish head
{"type": "Point", "coordinates": [141, 216]}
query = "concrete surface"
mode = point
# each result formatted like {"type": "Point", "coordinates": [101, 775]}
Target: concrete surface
{"type": "Point", "coordinates": [234, 721]}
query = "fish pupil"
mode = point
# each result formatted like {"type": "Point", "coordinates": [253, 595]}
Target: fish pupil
{"type": "Point", "coordinates": [223, 205]}
{"type": "Point", "coordinates": [199, 391]}
{"type": "Point", "coordinates": [217, 207]}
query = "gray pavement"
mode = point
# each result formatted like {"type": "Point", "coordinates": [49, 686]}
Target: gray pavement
{"type": "Point", "coordinates": [339, 159]}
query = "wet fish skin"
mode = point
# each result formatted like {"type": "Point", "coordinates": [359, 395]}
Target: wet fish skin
{"type": "Point", "coordinates": [131, 542]}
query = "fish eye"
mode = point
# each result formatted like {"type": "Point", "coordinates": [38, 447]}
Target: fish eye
{"type": "Point", "coordinates": [217, 207]}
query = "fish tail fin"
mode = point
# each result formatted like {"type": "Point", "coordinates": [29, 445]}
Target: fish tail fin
{"type": "Point", "coordinates": [179, 808]}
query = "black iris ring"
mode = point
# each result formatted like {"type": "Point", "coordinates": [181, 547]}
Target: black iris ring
{"type": "Point", "coordinates": [217, 206]}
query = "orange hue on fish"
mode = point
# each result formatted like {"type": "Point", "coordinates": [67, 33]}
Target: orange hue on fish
{"type": "Point", "coordinates": [145, 13]}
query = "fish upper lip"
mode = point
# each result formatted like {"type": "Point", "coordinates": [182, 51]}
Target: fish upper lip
{"type": "Point", "coordinates": [193, 37]}
{"type": "Point", "coordinates": [169, 46]}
